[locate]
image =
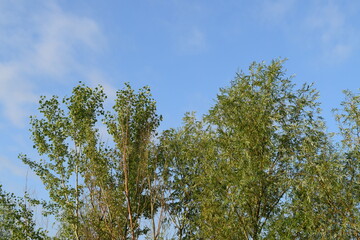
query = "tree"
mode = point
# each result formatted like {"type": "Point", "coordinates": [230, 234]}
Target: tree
{"type": "Point", "coordinates": [97, 190]}
{"type": "Point", "coordinates": [258, 165]}
{"type": "Point", "coordinates": [132, 129]}
{"type": "Point", "coordinates": [250, 164]}
{"type": "Point", "coordinates": [348, 196]}
{"type": "Point", "coordinates": [64, 138]}
{"type": "Point", "coordinates": [184, 152]}
{"type": "Point", "coordinates": [324, 200]}
{"type": "Point", "coordinates": [16, 219]}
{"type": "Point", "coordinates": [262, 126]}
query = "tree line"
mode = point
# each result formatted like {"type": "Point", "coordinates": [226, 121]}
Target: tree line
{"type": "Point", "coordinates": [259, 165]}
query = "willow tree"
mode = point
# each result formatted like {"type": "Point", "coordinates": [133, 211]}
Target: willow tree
{"type": "Point", "coordinates": [185, 150]}
{"type": "Point", "coordinates": [247, 156]}
{"type": "Point", "coordinates": [324, 201]}
{"type": "Point", "coordinates": [98, 190]}
{"type": "Point", "coordinates": [348, 204]}
{"type": "Point", "coordinates": [265, 131]}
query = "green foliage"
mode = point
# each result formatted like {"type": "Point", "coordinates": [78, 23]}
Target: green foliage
{"type": "Point", "coordinates": [97, 190]}
{"type": "Point", "coordinates": [65, 138]}
{"type": "Point", "coordinates": [185, 151]}
{"type": "Point", "coordinates": [16, 220]}
{"type": "Point", "coordinates": [349, 193]}
{"type": "Point", "coordinates": [262, 127]}
{"type": "Point", "coordinates": [259, 165]}
{"type": "Point", "coordinates": [132, 128]}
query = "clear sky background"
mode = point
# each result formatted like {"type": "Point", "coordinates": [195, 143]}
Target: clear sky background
{"type": "Point", "coordinates": [185, 50]}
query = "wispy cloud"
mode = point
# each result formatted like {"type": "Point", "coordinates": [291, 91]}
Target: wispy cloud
{"type": "Point", "coordinates": [331, 29]}
{"type": "Point", "coordinates": [45, 42]}
{"type": "Point", "coordinates": [322, 27]}
{"type": "Point", "coordinates": [191, 41]}
{"type": "Point", "coordinates": [275, 11]}
{"type": "Point", "coordinates": [13, 168]}
{"type": "Point", "coordinates": [15, 92]}
{"type": "Point", "coordinates": [97, 78]}
{"type": "Point", "coordinates": [61, 36]}
{"type": "Point", "coordinates": [187, 28]}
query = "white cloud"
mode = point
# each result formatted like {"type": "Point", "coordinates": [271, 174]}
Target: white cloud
{"type": "Point", "coordinates": [40, 41]}
{"type": "Point", "coordinates": [191, 41]}
{"type": "Point", "coordinates": [96, 78]}
{"type": "Point", "coordinates": [322, 27]}
{"type": "Point", "coordinates": [15, 93]}
{"type": "Point", "coordinates": [332, 31]}
{"type": "Point", "coordinates": [9, 166]}
{"type": "Point", "coordinates": [61, 36]}
{"type": "Point", "coordinates": [341, 51]}
{"type": "Point", "coordinates": [276, 11]}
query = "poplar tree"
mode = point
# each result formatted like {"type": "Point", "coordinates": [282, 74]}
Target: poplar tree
{"type": "Point", "coordinates": [97, 190]}
{"type": "Point", "coordinates": [17, 219]}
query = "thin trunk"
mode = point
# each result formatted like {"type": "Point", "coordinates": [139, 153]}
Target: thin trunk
{"type": "Point", "coordinates": [128, 199]}
{"type": "Point", "coordinates": [152, 210]}
{"type": "Point", "coordinates": [126, 185]}
{"type": "Point", "coordinates": [77, 202]}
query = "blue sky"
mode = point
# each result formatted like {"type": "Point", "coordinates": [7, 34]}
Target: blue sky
{"type": "Point", "coordinates": [184, 50]}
